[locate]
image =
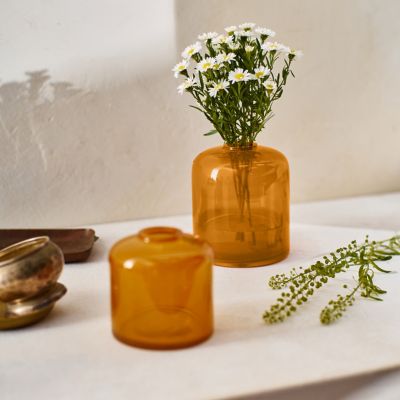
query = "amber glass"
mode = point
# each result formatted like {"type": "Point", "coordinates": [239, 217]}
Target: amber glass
{"type": "Point", "coordinates": [161, 289]}
{"type": "Point", "coordinates": [241, 204]}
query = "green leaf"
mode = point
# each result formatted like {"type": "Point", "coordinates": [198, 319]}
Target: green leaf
{"type": "Point", "coordinates": [375, 298]}
{"type": "Point", "coordinates": [379, 268]}
{"type": "Point", "coordinates": [212, 132]}
{"type": "Point", "coordinates": [382, 256]}
{"type": "Point", "coordinates": [197, 108]}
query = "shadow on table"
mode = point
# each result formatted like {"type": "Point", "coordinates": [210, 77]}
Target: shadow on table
{"type": "Point", "coordinates": [242, 321]}
{"type": "Point", "coordinates": [353, 388]}
{"type": "Point", "coordinates": [67, 313]}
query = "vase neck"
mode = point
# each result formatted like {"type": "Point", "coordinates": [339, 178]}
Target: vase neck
{"type": "Point", "coordinates": [160, 234]}
{"type": "Point", "coordinates": [240, 146]}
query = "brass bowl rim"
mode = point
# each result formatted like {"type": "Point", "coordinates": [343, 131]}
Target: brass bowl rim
{"type": "Point", "coordinates": [36, 243]}
{"type": "Point", "coordinates": [56, 292]}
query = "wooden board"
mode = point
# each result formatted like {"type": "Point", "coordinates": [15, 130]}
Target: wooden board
{"type": "Point", "coordinates": [76, 244]}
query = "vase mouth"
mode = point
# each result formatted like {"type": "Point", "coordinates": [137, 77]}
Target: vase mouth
{"type": "Point", "coordinates": [160, 234]}
{"type": "Point", "coordinates": [240, 146]}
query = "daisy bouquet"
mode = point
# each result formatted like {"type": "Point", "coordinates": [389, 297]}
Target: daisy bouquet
{"type": "Point", "coordinates": [235, 77]}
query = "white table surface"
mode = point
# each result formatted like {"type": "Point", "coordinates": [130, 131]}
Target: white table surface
{"type": "Point", "coordinates": [72, 354]}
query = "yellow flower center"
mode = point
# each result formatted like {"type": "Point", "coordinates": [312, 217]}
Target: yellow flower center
{"type": "Point", "coordinates": [206, 65]}
{"type": "Point", "coordinates": [190, 52]}
{"type": "Point", "coordinates": [239, 76]}
{"type": "Point", "coordinates": [259, 74]}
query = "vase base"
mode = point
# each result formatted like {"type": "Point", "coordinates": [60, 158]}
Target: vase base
{"type": "Point", "coordinates": [162, 345]}
{"type": "Point", "coordinates": [251, 264]}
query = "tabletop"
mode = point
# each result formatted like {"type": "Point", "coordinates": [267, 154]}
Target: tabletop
{"type": "Point", "coordinates": [72, 354]}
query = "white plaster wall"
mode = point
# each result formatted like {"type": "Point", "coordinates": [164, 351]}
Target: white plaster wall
{"type": "Point", "coordinates": [92, 130]}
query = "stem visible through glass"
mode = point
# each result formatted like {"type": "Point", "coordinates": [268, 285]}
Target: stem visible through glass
{"type": "Point", "coordinates": [241, 163]}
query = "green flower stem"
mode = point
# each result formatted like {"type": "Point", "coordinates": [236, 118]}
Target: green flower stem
{"type": "Point", "coordinates": [303, 285]}
{"type": "Point", "coordinates": [335, 308]}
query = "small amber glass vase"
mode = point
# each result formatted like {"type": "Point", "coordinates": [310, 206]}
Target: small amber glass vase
{"type": "Point", "coordinates": [161, 289]}
{"type": "Point", "coordinates": [241, 204]}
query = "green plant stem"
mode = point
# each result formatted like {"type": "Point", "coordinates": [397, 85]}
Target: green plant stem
{"type": "Point", "coordinates": [303, 285]}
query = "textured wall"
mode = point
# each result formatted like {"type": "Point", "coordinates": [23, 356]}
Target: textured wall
{"type": "Point", "coordinates": [92, 129]}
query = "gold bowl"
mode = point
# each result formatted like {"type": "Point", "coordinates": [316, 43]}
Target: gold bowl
{"type": "Point", "coordinates": [17, 313]}
{"type": "Point", "coordinates": [28, 268]}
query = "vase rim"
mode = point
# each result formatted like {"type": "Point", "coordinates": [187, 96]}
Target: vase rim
{"type": "Point", "coordinates": [238, 146]}
{"type": "Point", "coordinates": [160, 234]}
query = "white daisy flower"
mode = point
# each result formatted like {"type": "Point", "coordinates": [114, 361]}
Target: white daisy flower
{"type": "Point", "coordinates": [217, 66]}
{"type": "Point", "coordinates": [222, 57]}
{"type": "Point", "coordinates": [261, 72]}
{"type": "Point", "coordinates": [248, 48]}
{"type": "Point", "coordinates": [191, 50]}
{"type": "Point", "coordinates": [220, 39]}
{"type": "Point", "coordinates": [269, 85]}
{"type": "Point", "coordinates": [206, 82]}
{"type": "Point", "coordinates": [181, 88]}
{"type": "Point", "coordinates": [270, 46]}
{"type": "Point", "coordinates": [208, 35]}
{"type": "Point", "coordinates": [296, 53]}
{"type": "Point", "coordinates": [265, 32]}
{"type": "Point", "coordinates": [217, 86]}
{"type": "Point", "coordinates": [180, 67]}
{"type": "Point", "coordinates": [284, 49]}
{"type": "Point", "coordinates": [275, 46]}
{"type": "Point", "coordinates": [230, 29]}
{"type": "Point", "coordinates": [239, 75]}
{"type": "Point", "coordinates": [206, 64]}
{"type": "Point", "coordinates": [247, 25]}
{"type": "Point", "coordinates": [189, 82]}
{"type": "Point", "coordinates": [243, 33]}
{"type": "Point", "coordinates": [234, 46]}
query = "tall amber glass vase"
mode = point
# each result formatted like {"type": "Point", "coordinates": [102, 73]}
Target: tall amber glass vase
{"type": "Point", "coordinates": [241, 204]}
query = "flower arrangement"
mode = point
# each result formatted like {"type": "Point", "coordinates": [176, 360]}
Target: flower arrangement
{"type": "Point", "coordinates": [232, 78]}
